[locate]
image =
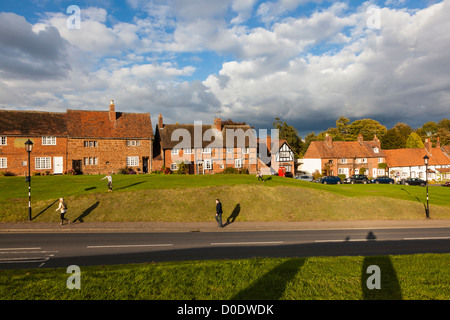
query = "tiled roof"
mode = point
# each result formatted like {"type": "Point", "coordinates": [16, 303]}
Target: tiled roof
{"type": "Point", "coordinates": [96, 124]}
{"type": "Point", "coordinates": [343, 149]}
{"type": "Point", "coordinates": [414, 157]}
{"type": "Point", "coordinates": [174, 134]}
{"type": "Point", "coordinates": [32, 123]}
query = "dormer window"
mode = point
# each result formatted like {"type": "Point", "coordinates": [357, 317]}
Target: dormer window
{"type": "Point", "coordinates": [376, 150]}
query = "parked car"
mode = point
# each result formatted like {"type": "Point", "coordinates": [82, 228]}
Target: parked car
{"type": "Point", "coordinates": [447, 184]}
{"type": "Point", "coordinates": [414, 182]}
{"type": "Point", "coordinates": [305, 177]}
{"type": "Point", "coordinates": [384, 179]}
{"type": "Point", "coordinates": [330, 180]}
{"type": "Point", "coordinates": [357, 178]}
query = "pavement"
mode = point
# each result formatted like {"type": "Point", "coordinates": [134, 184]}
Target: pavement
{"type": "Point", "coordinates": [237, 226]}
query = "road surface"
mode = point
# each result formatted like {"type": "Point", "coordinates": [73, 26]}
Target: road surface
{"type": "Point", "coordinates": [49, 250]}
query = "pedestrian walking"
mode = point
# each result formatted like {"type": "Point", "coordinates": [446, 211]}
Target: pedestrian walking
{"type": "Point", "coordinates": [219, 213]}
{"type": "Point", "coordinates": [260, 176]}
{"type": "Point", "coordinates": [108, 176]}
{"type": "Point", "coordinates": [63, 209]}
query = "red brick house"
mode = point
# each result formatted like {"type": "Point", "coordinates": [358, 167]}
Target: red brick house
{"type": "Point", "coordinates": [47, 131]}
{"type": "Point", "coordinates": [92, 142]}
{"type": "Point", "coordinates": [205, 149]}
{"type": "Point", "coordinates": [345, 157]}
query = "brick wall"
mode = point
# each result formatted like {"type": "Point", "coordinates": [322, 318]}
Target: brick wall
{"type": "Point", "coordinates": [110, 154]}
{"type": "Point", "coordinates": [17, 157]}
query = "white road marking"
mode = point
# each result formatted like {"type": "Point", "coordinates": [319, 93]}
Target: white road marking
{"type": "Point", "coordinates": [131, 246]}
{"type": "Point", "coordinates": [7, 249]}
{"type": "Point", "coordinates": [245, 243]}
{"type": "Point", "coordinates": [428, 238]}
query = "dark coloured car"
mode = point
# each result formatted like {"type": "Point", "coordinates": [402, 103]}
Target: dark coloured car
{"type": "Point", "coordinates": [447, 184]}
{"type": "Point", "coordinates": [384, 179]}
{"type": "Point", "coordinates": [330, 180]}
{"type": "Point", "coordinates": [357, 178]}
{"type": "Point", "coordinates": [415, 182]}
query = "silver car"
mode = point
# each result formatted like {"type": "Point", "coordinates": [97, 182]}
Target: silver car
{"type": "Point", "coordinates": [305, 177]}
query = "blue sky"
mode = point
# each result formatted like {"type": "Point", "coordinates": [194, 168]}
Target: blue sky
{"type": "Point", "coordinates": [307, 62]}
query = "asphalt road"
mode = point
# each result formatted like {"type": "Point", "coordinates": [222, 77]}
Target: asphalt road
{"type": "Point", "coordinates": [49, 250]}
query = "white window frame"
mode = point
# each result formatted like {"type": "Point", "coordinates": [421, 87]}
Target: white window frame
{"type": "Point", "coordinates": [133, 161]}
{"type": "Point", "coordinates": [207, 164]}
{"type": "Point", "coordinates": [3, 141]}
{"type": "Point", "coordinates": [175, 151]}
{"type": "Point", "coordinates": [188, 151]}
{"type": "Point", "coordinates": [3, 163]}
{"type": "Point", "coordinates": [230, 150]}
{"type": "Point", "coordinates": [173, 166]}
{"type": "Point", "coordinates": [90, 161]}
{"type": "Point", "coordinates": [207, 150]}
{"type": "Point", "coordinates": [245, 150]}
{"type": "Point", "coordinates": [238, 163]}
{"type": "Point", "coordinates": [42, 163]}
{"type": "Point", "coordinates": [364, 160]}
{"type": "Point", "coordinates": [380, 160]}
{"type": "Point", "coordinates": [133, 143]}
{"type": "Point", "coordinates": [90, 144]}
{"type": "Point", "coordinates": [343, 160]}
{"type": "Point", "coordinates": [48, 141]}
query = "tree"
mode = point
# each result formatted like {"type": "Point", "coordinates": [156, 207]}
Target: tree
{"type": "Point", "coordinates": [310, 137]}
{"type": "Point", "coordinates": [368, 128]}
{"type": "Point", "coordinates": [396, 137]}
{"type": "Point", "coordinates": [414, 141]}
{"type": "Point", "coordinates": [342, 125]}
{"type": "Point", "coordinates": [289, 133]}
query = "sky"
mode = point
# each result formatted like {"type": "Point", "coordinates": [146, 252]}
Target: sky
{"type": "Point", "coordinates": [307, 62]}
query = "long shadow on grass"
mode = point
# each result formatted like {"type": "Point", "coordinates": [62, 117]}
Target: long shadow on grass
{"type": "Point", "coordinates": [87, 212]}
{"type": "Point", "coordinates": [389, 286]}
{"type": "Point", "coordinates": [272, 285]}
{"type": "Point", "coordinates": [45, 209]}
{"type": "Point", "coordinates": [233, 215]}
{"type": "Point", "coordinates": [131, 185]}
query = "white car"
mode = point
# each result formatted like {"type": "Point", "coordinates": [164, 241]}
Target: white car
{"type": "Point", "coordinates": [305, 177]}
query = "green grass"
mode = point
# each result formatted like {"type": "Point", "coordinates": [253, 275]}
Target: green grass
{"type": "Point", "coordinates": [417, 277]}
{"type": "Point", "coordinates": [182, 198]}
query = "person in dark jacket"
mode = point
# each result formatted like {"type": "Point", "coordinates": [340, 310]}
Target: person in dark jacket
{"type": "Point", "coordinates": [219, 213]}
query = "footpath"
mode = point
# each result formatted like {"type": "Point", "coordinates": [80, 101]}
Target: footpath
{"type": "Point", "coordinates": [237, 226]}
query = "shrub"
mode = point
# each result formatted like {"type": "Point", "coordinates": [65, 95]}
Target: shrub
{"type": "Point", "coordinates": [183, 168]}
{"type": "Point", "coordinates": [316, 175]}
{"type": "Point", "coordinates": [342, 176]}
{"type": "Point", "coordinates": [230, 170]}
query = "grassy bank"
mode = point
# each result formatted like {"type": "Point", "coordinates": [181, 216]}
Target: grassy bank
{"type": "Point", "coordinates": [191, 198]}
{"type": "Point", "coordinates": [423, 276]}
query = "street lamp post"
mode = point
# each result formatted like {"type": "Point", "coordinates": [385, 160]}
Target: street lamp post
{"type": "Point", "coordinates": [425, 160]}
{"type": "Point", "coordinates": [28, 148]}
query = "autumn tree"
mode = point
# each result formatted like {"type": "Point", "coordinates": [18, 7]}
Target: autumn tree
{"type": "Point", "coordinates": [414, 141]}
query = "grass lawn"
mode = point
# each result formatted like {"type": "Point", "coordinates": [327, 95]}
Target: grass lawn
{"type": "Point", "coordinates": [181, 198]}
{"type": "Point", "coordinates": [418, 277]}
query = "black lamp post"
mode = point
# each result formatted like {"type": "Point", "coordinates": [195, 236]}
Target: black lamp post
{"type": "Point", "coordinates": [425, 160]}
{"type": "Point", "coordinates": [28, 148]}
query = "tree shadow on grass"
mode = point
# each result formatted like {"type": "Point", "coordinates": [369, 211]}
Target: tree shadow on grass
{"type": "Point", "coordinates": [272, 285]}
{"type": "Point", "coordinates": [87, 212]}
{"type": "Point", "coordinates": [389, 284]}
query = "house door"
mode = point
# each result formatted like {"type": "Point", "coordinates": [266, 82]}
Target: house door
{"type": "Point", "coordinates": [200, 167]}
{"type": "Point", "coordinates": [145, 164]}
{"type": "Point", "coordinates": [58, 167]}
{"type": "Point", "coordinates": [76, 166]}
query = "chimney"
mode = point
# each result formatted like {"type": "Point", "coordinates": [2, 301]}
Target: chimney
{"type": "Point", "coordinates": [269, 142]}
{"type": "Point", "coordinates": [428, 144]}
{"type": "Point", "coordinates": [360, 139]}
{"type": "Point", "coordinates": [112, 112]}
{"type": "Point", "coordinates": [328, 140]}
{"type": "Point", "coordinates": [376, 140]}
{"type": "Point", "coordinates": [160, 121]}
{"type": "Point", "coordinates": [438, 143]}
{"type": "Point", "coordinates": [218, 123]}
